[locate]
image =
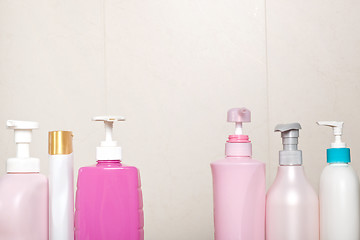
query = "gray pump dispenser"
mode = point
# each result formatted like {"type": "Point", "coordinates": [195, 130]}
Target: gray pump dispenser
{"type": "Point", "coordinates": [290, 155]}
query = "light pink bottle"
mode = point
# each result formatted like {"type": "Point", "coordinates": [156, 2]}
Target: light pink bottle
{"type": "Point", "coordinates": [109, 199]}
{"type": "Point", "coordinates": [24, 198]}
{"type": "Point", "coordinates": [239, 187]}
{"type": "Point", "coordinates": [292, 206]}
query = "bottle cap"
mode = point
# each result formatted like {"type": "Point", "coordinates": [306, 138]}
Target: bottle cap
{"type": "Point", "coordinates": [238, 144]}
{"type": "Point", "coordinates": [290, 155]}
{"type": "Point", "coordinates": [60, 142]}
{"type": "Point", "coordinates": [338, 153]}
{"type": "Point", "coordinates": [23, 133]}
{"type": "Point", "coordinates": [238, 116]}
{"type": "Point", "coordinates": [108, 150]}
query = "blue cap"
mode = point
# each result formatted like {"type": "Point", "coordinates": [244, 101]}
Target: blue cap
{"type": "Point", "coordinates": [338, 155]}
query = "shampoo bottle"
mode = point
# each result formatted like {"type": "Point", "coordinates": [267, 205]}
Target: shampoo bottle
{"type": "Point", "coordinates": [108, 198]}
{"type": "Point", "coordinates": [239, 187]}
{"type": "Point", "coordinates": [23, 191]}
{"type": "Point", "coordinates": [61, 185]}
{"type": "Point", "coordinates": [339, 192]}
{"type": "Point", "coordinates": [292, 206]}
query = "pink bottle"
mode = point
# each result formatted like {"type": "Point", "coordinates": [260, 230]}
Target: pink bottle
{"type": "Point", "coordinates": [292, 206]}
{"type": "Point", "coordinates": [108, 198]}
{"type": "Point", "coordinates": [23, 191]}
{"type": "Point", "coordinates": [239, 187]}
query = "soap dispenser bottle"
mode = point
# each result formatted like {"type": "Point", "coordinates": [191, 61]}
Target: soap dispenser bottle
{"type": "Point", "coordinates": [23, 191]}
{"type": "Point", "coordinates": [339, 192]}
{"type": "Point", "coordinates": [239, 187]}
{"type": "Point", "coordinates": [292, 206]}
{"type": "Point", "coordinates": [108, 198]}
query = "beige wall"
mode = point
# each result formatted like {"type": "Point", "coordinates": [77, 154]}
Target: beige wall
{"type": "Point", "coordinates": [173, 69]}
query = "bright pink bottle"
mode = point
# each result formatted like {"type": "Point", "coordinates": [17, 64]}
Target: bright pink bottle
{"type": "Point", "coordinates": [108, 198]}
{"type": "Point", "coordinates": [239, 187]}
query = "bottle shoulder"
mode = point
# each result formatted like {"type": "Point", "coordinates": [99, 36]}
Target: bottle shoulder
{"type": "Point", "coordinates": [23, 184]}
{"type": "Point", "coordinates": [286, 192]}
{"type": "Point", "coordinates": [238, 161]}
{"type": "Point", "coordinates": [344, 167]}
{"type": "Point", "coordinates": [292, 180]}
{"type": "Point", "coordinates": [24, 177]}
{"type": "Point", "coordinates": [339, 174]}
{"type": "Point", "coordinates": [107, 168]}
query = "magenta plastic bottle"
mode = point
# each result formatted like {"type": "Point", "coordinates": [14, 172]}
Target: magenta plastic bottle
{"type": "Point", "coordinates": [239, 187]}
{"type": "Point", "coordinates": [24, 196]}
{"type": "Point", "coordinates": [109, 198]}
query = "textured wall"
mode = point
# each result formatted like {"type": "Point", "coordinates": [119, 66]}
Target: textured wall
{"type": "Point", "coordinates": [173, 69]}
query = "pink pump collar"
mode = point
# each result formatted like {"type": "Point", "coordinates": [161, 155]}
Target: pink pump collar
{"type": "Point", "coordinates": [238, 139]}
{"type": "Point", "coordinates": [238, 146]}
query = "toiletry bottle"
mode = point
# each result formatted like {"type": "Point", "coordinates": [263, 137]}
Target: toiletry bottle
{"type": "Point", "coordinates": [239, 187]}
{"type": "Point", "coordinates": [292, 206]}
{"type": "Point", "coordinates": [339, 192]}
{"type": "Point", "coordinates": [24, 211]}
{"type": "Point", "coordinates": [61, 185]}
{"type": "Point", "coordinates": [108, 198]}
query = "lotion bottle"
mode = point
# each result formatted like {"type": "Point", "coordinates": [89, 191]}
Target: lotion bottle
{"type": "Point", "coordinates": [339, 192]}
{"type": "Point", "coordinates": [23, 191]}
{"type": "Point", "coordinates": [239, 187]}
{"type": "Point", "coordinates": [61, 185]}
{"type": "Point", "coordinates": [292, 206]}
{"type": "Point", "coordinates": [109, 199]}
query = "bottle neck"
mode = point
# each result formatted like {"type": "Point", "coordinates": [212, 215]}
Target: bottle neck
{"type": "Point", "coordinates": [108, 163]}
{"type": "Point", "coordinates": [338, 164]}
{"type": "Point", "coordinates": [23, 165]}
{"type": "Point", "coordinates": [238, 146]}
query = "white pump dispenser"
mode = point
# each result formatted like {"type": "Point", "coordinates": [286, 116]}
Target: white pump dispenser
{"type": "Point", "coordinates": [22, 162]}
{"type": "Point", "coordinates": [108, 150]}
{"type": "Point", "coordinates": [339, 191]}
{"type": "Point", "coordinates": [337, 128]}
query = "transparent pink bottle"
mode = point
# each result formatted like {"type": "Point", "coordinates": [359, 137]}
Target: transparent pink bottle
{"type": "Point", "coordinates": [239, 187]}
{"type": "Point", "coordinates": [292, 206]}
{"type": "Point", "coordinates": [24, 196]}
{"type": "Point", "coordinates": [108, 198]}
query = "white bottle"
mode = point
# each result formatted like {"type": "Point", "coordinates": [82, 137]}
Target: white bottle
{"type": "Point", "coordinates": [339, 192]}
{"type": "Point", "coordinates": [61, 185]}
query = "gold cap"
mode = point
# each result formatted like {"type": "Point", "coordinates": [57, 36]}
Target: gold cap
{"type": "Point", "coordinates": [60, 142]}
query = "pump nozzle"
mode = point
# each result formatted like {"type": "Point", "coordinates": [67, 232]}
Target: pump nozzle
{"type": "Point", "coordinates": [108, 149]}
{"type": "Point", "coordinates": [238, 116]}
{"type": "Point", "coordinates": [22, 162]}
{"type": "Point", "coordinates": [22, 131]}
{"type": "Point", "coordinates": [290, 155]}
{"type": "Point", "coordinates": [289, 134]}
{"type": "Point", "coordinates": [337, 129]}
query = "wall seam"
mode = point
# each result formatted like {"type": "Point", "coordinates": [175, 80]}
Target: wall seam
{"type": "Point", "coordinates": [267, 94]}
{"type": "Point", "coordinates": [105, 59]}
